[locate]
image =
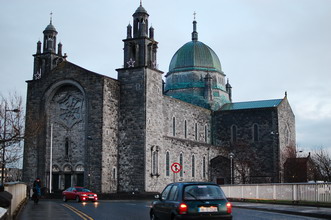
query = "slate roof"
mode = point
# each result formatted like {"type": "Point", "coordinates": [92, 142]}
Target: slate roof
{"type": "Point", "coordinates": [252, 104]}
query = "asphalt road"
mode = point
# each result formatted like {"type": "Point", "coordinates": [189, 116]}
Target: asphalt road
{"type": "Point", "coordinates": [122, 210]}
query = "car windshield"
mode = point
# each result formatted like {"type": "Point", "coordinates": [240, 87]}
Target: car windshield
{"type": "Point", "coordinates": [82, 190]}
{"type": "Point", "coordinates": [203, 192]}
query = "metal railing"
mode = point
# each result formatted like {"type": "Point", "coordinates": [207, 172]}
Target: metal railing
{"type": "Point", "coordinates": [311, 192]}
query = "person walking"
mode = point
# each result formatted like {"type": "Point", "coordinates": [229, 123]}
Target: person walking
{"type": "Point", "coordinates": [36, 190]}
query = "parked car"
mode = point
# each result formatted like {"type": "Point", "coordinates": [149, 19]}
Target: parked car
{"type": "Point", "coordinates": [79, 194]}
{"type": "Point", "coordinates": [191, 200]}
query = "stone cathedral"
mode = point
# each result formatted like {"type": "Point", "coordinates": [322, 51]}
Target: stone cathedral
{"type": "Point", "coordinates": [123, 135]}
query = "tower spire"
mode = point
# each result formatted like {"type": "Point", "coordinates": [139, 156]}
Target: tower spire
{"type": "Point", "coordinates": [194, 33]}
{"type": "Point", "coordinates": [51, 17]}
{"type": "Point", "coordinates": [141, 2]}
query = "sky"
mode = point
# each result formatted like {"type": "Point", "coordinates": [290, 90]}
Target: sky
{"type": "Point", "coordinates": [266, 47]}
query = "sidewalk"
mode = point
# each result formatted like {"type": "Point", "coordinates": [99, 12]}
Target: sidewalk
{"type": "Point", "coordinates": [310, 211]}
{"type": "Point", "coordinates": [45, 209]}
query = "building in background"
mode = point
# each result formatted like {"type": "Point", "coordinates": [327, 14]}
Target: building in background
{"type": "Point", "coordinates": [123, 135]}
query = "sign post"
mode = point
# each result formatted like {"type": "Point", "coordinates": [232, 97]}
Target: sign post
{"type": "Point", "coordinates": [176, 168]}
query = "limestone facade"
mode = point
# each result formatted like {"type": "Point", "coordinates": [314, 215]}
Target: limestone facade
{"type": "Point", "coordinates": [124, 134]}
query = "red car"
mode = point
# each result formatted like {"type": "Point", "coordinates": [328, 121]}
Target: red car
{"type": "Point", "coordinates": [79, 194]}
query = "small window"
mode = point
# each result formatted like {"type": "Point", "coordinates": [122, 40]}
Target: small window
{"type": "Point", "coordinates": [174, 126]}
{"type": "Point", "coordinates": [193, 166]}
{"type": "Point", "coordinates": [206, 133]}
{"type": "Point", "coordinates": [233, 133]}
{"type": "Point", "coordinates": [196, 131]}
{"type": "Point", "coordinates": [167, 164]}
{"type": "Point", "coordinates": [66, 148]}
{"type": "Point", "coordinates": [182, 164]}
{"type": "Point", "coordinates": [287, 136]}
{"type": "Point", "coordinates": [255, 133]}
{"type": "Point", "coordinates": [155, 155]}
{"type": "Point", "coordinates": [204, 167]}
{"type": "Point", "coordinates": [114, 173]}
{"type": "Point", "coordinates": [185, 129]}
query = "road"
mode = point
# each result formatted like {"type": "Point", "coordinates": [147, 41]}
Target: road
{"type": "Point", "coordinates": [122, 210]}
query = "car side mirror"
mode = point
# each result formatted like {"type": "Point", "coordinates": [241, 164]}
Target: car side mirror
{"type": "Point", "coordinates": [158, 197]}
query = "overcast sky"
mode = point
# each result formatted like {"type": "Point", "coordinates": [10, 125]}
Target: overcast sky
{"type": "Point", "coordinates": [266, 47]}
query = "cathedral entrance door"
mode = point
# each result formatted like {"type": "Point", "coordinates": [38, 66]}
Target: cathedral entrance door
{"type": "Point", "coordinates": [80, 179]}
{"type": "Point", "coordinates": [55, 184]}
{"type": "Point", "coordinates": [67, 181]}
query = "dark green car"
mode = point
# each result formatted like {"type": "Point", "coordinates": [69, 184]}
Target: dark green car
{"type": "Point", "coordinates": [191, 200]}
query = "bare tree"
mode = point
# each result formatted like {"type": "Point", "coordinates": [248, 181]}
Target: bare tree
{"type": "Point", "coordinates": [322, 162]}
{"type": "Point", "coordinates": [243, 162]}
{"type": "Point", "coordinates": [11, 130]}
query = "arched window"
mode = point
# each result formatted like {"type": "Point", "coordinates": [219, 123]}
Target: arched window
{"type": "Point", "coordinates": [155, 160]}
{"type": "Point", "coordinates": [204, 167]}
{"type": "Point", "coordinates": [233, 133]}
{"type": "Point", "coordinates": [206, 133]}
{"type": "Point", "coordinates": [114, 173]}
{"type": "Point", "coordinates": [193, 166]}
{"type": "Point", "coordinates": [185, 129]}
{"type": "Point", "coordinates": [66, 147]}
{"type": "Point", "coordinates": [167, 164]}
{"type": "Point", "coordinates": [255, 133]}
{"type": "Point", "coordinates": [182, 164]}
{"type": "Point", "coordinates": [174, 126]}
{"type": "Point", "coordinates": [287, 136]}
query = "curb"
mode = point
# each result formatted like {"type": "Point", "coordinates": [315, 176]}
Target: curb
{"type": "Point", "coordinates": [316, 215]}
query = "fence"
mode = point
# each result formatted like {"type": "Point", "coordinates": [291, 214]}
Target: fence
{"type": "Point", "coordinates": [311, 192]}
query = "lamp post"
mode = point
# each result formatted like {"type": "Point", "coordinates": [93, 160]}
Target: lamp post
{"type": "Point", "coordinates": [4, 141]}
{"type": "Point", "coordinates": [231, 155]}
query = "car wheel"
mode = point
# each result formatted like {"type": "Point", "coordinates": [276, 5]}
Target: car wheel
{"type": "Point", "coordinates": [153, 217]}
{"type": "Point", "coordinates": [77, 199]}
{"type": "Point", "coordinates": [64, 199]}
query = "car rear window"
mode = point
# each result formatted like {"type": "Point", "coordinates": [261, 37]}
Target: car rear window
{"type": "Point", "coordinates": [203, 192]}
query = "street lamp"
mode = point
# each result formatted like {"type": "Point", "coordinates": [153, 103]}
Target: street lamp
{"type": "Point", "coordinates": [231, 155]}
{"type": "Point", "coordinates": [4, 141]}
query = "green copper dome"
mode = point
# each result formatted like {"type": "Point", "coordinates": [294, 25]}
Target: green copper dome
{"type": "Point", "coordinates": [195, 55]}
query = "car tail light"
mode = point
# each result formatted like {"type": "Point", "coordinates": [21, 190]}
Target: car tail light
{"type": "Point", "coordinates": [228, 208]}
{"type": "Point", "coordinates": [182, 208]}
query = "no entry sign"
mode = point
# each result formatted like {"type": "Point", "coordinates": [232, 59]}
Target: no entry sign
{"type": "Point", "coordinates": [176, 167]}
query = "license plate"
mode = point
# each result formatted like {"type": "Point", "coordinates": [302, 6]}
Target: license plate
{"type": "Point", "coordinates": [91, 197]}
{"type": "Point", "coordinates": [208, 209]}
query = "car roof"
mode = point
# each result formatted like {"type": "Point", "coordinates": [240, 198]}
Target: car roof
{"type": "Point", "coordinates": [194, 183]}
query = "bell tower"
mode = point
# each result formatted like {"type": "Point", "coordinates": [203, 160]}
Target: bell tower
{"type": "Point", "coordinates": [140, 105]}
{"type": "Point", "coordinates": [140, 47]}
{"type": "Point", "coordinates": [45, 60]}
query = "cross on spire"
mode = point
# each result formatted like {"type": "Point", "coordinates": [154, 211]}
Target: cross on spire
{"type": "Point", "coordinates": [194, 14]}
{"type": "Point", "coordinates": [141, 2]}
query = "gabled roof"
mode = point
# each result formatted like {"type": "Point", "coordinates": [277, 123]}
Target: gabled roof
{"type": "Point", "coordinates": [252, 105]}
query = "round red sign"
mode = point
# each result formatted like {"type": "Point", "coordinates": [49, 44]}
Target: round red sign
{"type": "Point", "coordinates": [176, 167]}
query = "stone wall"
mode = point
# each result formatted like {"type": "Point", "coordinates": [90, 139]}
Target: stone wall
{"type": "Point", "coordinates": [287, 134]}
{"type": "Point", "coordinates": [72, 99]}
{"type": "Point", "coordinates": [194, 144]}
{"type": "Point", "coordinates": [132, 130]}
{"type": "Point", "coordinates": [110, 136]}
{"type": "Point", "coordinates": [263, 152]}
